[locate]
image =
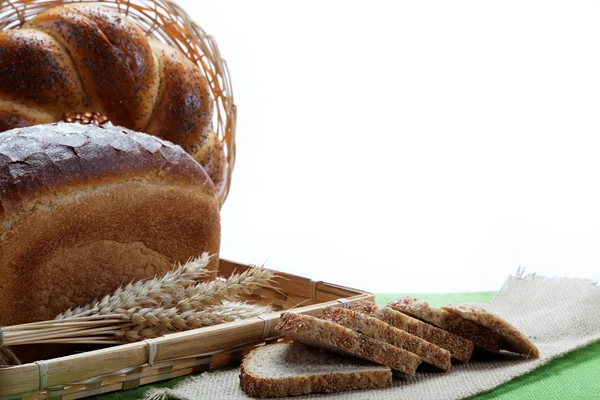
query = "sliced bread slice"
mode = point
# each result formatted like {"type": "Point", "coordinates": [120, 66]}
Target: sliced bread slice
{"type": "Point", "coordinates": [330, 336]}
{"type": "Point", "coordinates": [377, 329]}
{"type": "Point", "coordinates": [512, 339]}
{"type": "Point", "coordinates": [459, 347]}
{"type": "Point", "coordinates": [478, 334]}
{"type": "Point", "coordinates": [293, 369]}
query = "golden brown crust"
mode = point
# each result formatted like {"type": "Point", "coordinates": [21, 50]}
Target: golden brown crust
{"type": "Point", "coordinates": [85, 209]}
{"type": "Point", "coordinates": [45, 158]}
{"type": "Point", "coordinates": [211, 156]}
{"type": "Point", "coordinates": [513, 339]}
{"type": "Point", "coordinates": [330, 336]}
{"type": "Point", "coordinates": [112, 57]}
{"type": "Point", "coordinates": [266, 386]}
{"type": "Point", "coordinates": [459, 347]}
{"type": "Point", "coordinates": [185, 93]}
{"type": "Point", "coordinates": [14, 115]}
{"type": "Point", "coordinates": [37, 72]}
{"type": "Point", "coordinates": [78, 58]}
{"type": "Point", "coordinates": [377, 329]}
{"type": "Point", "coordinates": [478, 334]}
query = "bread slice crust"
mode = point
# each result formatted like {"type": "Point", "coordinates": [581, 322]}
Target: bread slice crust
{"type": "Point", "coordinates": [459, 347]}
{"type": "Point", "coordinates": [331, 372]}
{"type": "Point", "coordinates": [480, 335]}
{"type": "Point", "coordinates": [379, 330]}
{"type": "Point", "coordinates": [327, 335]}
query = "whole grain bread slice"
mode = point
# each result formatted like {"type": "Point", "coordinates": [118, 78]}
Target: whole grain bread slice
{"type": "Point", "coordinates": [459, 347]}
{"type": "Point", "coordinates": [512, 339]}
{"type": "Point", "coordinates": [377, 329]}
{"type": "Point", "coordinates": [330, 336]}
{"type": "Point", "coordinates": [293, 369]}
{"type": "Point", "coordinates": [478, 334]}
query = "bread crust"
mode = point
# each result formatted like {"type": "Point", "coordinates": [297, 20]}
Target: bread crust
{"type": "Point", "coordinates": [513, 339]}
{"type": "Point", "coordinates": [372, 377]}
{"type": "Point", "coordinates": [85, 209]}
{"type": "Point", "coordinates": [46, 159]}
{"type": "Point", "coordinates": [15, 115]}
{"type": "Point", "coordinates": [377, 329]}
{"type": "Point", "coordinates": [187, 95]}
{"type": "Point", "coordinates": [112, 56]}
{"type": "Point", "coordinates": [37, 72]}
{"type": "Point", "coordinates": [211, 155]}
{"type": "Point", "coordinates": [482, 337]}
{"type": "Point", "coordinates": [459, 347]}
{"type": "Point", "coordinates": [77, 58]}
{"type": "Point", "coordinates": [330, 336]}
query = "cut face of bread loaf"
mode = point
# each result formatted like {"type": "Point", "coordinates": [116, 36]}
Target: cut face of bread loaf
{"type": "Point", "coordinates": [294, 369]}
{"type": "Point", "coordinates": [478, 334]}
{"type": "Point", "coordinates": [85, 209]}
{"type": "Point", "coordinates": [330, 336]}
{"type": "Point", "coordinates": [377, 329]}
{"type": "Point", "coordinates": [459, 347]}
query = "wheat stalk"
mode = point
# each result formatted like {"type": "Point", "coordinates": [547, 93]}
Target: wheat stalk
{"type": "Point", "coordinates": [211, 293]}
{"type": "Point", "coordinates": [151, 324]}
{"type": "Point", "coordinates": [152, 308]}
{"type": "Point", "coordinates": [135, 325]}
{"type": "Point", "coordinates": [145, 293]}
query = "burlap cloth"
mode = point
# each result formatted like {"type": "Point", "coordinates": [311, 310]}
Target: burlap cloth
{"type": "Point", "coordinates": [558, 314]}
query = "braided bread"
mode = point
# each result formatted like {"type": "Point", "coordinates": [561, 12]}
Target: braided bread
{"type": "Point", "coordinates": [80, 58]}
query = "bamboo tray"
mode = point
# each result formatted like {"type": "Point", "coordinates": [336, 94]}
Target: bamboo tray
{"type": "Point", "coordinates": [128, 366]}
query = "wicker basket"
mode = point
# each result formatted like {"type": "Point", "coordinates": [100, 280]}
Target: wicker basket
{"type": "Point", "coordinates": [169, 23]}
{"type": "Point", "coordinates": [128, 366]}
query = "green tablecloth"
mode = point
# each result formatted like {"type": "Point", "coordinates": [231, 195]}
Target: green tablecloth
{"type": "Point", "coordinates": [575, 376]}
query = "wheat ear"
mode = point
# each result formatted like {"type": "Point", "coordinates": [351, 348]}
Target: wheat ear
{"type": "Point", "coordinates": [154, 323]}
{"type": "Point", "coordinates": [151, 308]}
{"type": "Point", "coordinates": [235, 287]}
{"type": "Point", "coordinates": [147, 293]}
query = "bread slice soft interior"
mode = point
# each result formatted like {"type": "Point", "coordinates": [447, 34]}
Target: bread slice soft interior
{"type": "Point", "coordinates": [459, 347]}
{"type": "Point", "coordinates": [482, 336]}
{"type": "Point", "coordinates": [512, 339]}
{"type": "Point", "coordinates": [379, 330]}
{"type": "Point", "coordinates": [292, 369]}
{"type": "Point", "coordinates": [327, 335]}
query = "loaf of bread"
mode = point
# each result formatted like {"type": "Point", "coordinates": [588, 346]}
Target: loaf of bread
{"type": "Point", "coordinates": [85, 209]}
{"type": "Point", "coordinates": [86, 58]}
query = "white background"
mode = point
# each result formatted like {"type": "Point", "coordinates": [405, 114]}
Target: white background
{"type": "Point", "coordinates": [413, 146]}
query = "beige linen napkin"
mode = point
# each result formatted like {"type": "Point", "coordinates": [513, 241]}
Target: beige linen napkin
{"type": "Point", "coordinates": [558, 314]}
